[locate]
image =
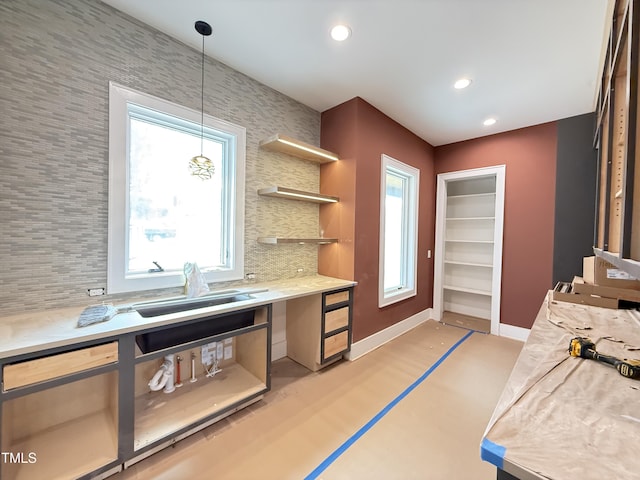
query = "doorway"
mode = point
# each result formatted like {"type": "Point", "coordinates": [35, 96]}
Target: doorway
{"type": "Point", "coordinates": [468, 248]}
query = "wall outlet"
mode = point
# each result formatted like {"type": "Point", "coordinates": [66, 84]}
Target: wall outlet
{"type": "Point", "coordinates": [250, 276]}
{"type": "Point", "coordinates": [95, 292]}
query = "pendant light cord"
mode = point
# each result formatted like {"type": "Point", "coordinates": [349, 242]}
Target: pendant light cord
{"type": "Point", "coordinates": [202, 103]}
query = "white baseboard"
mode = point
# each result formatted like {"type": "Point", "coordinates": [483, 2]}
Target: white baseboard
{"type": "Point", "coordinates": [378, 339]}
{"type": "Point", "coordinates": [513, 332]}
{"type": "Point", "coordinates": [366, 345]}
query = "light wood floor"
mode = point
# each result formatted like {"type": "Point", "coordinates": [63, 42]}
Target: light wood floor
{"type": "Point", "coordinates": [433, 432]}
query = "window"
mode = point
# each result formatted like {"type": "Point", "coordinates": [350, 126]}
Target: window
{"type": "Point", "coordinates": [160, 216]}
{"type": "Point", "coordinates": [398, 231]}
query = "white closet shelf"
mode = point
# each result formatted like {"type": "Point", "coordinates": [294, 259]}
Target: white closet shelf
{"type": "Point", "coordinates": [470, 218]}
{"type": "Point", "coordinates": [452, 240]}
{"type": "Point", "coordinates": [469, 264]}
{"type": "Point", "coordinates": [475, 291]}
{"type": "Point", "coordinates": [472, 195]}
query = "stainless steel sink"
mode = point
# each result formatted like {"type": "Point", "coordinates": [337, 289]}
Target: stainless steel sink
{"type": "Point", "coordinates": [155, 308]}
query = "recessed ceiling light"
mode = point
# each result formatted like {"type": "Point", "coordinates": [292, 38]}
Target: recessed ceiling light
{"type": "Point", "coordinates": [340, 33]}
{"type": "Point", "coordinates": [462, 83]}
{"type": "Point", "coordinates": [489, 121]}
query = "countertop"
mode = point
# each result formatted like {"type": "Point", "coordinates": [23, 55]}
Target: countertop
{"type": "Point", "coordinates": [561, 417]}
{"type": "Point", "coordinates": [36, 331]}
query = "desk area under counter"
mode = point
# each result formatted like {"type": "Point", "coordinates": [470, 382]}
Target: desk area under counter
{"type": "Point", "coordinates": [76, 402]}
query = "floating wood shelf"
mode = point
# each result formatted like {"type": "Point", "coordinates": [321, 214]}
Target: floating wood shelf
{"type": "Point", "coordinates": [279, 240]}
{"type": "Point", "coordinates": [290, 193]}
{"type": "Point", "coordinates": [291, 146]}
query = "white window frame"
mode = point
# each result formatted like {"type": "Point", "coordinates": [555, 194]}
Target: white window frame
{"type": "Point", "coordinates": [117, 252]}
{"type": "Point", "coordinates": [409, 270]}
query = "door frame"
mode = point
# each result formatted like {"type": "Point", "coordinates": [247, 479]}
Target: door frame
{"type": "Point", "coordinates": [499, 171]}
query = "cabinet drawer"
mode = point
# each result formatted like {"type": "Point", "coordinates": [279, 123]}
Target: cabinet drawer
{"type": "Point", "coordinates": [336, 344]}
{"type": "Point", "coordinates": [336, 319]}
{"type": "Point", "coordinates": [338, 297]}
{"type": "Point", "coordinates": [54, 366]}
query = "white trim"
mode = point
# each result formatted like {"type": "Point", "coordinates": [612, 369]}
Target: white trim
{"type": "Point", "coordinates": [498, 233]}
{"type": "Point", "coordinates": [366, 345]}
{"type": "Point", "coordinates": [409, 289]}
{"type": "Point", "coordinates": [117, 280]}
{"type": "Point", "coordinates": [438, 267]}
{"type": "Point", "coordinates": [513, 332]}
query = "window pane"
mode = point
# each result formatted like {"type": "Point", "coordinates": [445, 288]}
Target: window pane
{"type": "Point", "coordinates": [394, 231]}
{"type": "Point", "coordinates": [158, 211]}
{"type": "Point", "coordinates": [398, 231]}
{"type": "Point", "coordinates": [174, 217]}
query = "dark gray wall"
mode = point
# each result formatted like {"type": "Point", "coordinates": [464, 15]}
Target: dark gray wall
{"type": "Point", "coordinates": [575, 196]}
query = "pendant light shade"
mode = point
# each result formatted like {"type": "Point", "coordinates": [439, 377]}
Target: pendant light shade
{"type": "Point", "coordinates": [201, 166]}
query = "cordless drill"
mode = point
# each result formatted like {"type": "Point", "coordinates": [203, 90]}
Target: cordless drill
{"type": "Point", "coordinates": [584, 348]}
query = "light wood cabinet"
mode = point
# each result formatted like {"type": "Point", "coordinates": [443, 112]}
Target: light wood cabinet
{"type": "Point", "coordinates": [87, 411]}
{"type": "Point", "coordinates": [319, 328]}
{"type": "Point", "coordinates": [60, 414]}
{"type": "Point", "coordinates": [243, 357]}
{"type": "Point", "coordinates": [54, 366]}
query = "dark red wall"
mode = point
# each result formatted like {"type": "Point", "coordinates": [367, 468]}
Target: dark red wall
{"type": "Point", "coordinates": [527, 262]}
{"type": "Point", "coordinates": [360, 134]}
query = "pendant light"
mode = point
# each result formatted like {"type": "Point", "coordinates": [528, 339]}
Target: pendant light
{"type": "Point", "coordinates": [201, 166]}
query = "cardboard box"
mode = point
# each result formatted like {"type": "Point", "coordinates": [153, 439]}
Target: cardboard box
{"type": "Point", "coordinates": [597, 271]}
{"type": "Point", "coordinates": [628, 294]}
{"type": "Point", "coordinates": [563, 292]}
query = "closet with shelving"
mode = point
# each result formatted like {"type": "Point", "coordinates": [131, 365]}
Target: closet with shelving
{"type": "Point", "coordinates": [469, 223]}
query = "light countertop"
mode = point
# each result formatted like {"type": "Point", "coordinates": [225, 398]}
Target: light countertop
{"type": "Point", "coordinates": [36, 331]}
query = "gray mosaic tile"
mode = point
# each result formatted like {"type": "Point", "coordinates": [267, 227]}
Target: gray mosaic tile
{"type": "Point", "coordinates": [56, 60]}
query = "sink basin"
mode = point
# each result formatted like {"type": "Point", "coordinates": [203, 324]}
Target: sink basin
{"type": "Point", "coordinates": [192, 304]}
{"type": "Point", "coordinates": [184, 304]}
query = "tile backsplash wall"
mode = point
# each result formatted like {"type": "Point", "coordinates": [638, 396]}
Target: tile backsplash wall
{"type": "Point", "coordinates": [56, 60]}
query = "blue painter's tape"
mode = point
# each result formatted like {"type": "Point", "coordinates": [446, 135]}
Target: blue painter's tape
{"type": "Point", "coordinates": [492, 453]}
{"type": "Point", "coordinates": [366, 427]}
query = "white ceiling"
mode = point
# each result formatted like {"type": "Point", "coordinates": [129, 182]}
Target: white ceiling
{"type": "Point", "coordinates": [531, 61]}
